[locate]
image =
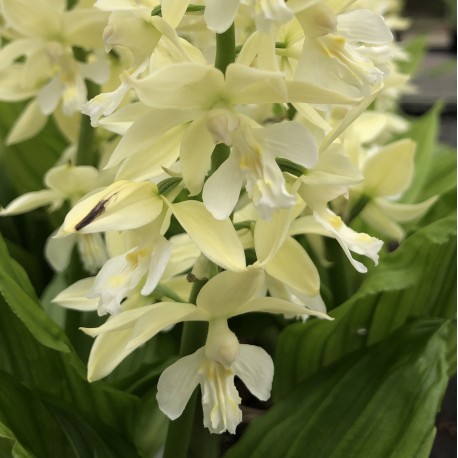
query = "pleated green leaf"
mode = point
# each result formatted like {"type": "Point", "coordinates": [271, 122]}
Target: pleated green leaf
{"type": "Point", "coordinates": [418, 279]}
{"type": "Point", "coordinates": [424, 132]}
{"type": "Point", "coordinates": [49, 427]}
{"type": "Point", "coordinates": [378, 402]}
{"type": "Point", "coordinates": [10, 446]}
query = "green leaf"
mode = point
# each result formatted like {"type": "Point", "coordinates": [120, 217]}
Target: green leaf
{"type": "Point", "coordinates": [424, 132]}
{"type": "Point", "coordinates": [379, 402]}
{"type": "Point", "coordinates": [37, 351]}
{"type": "Point", "coordinates": [24, 164]}
{"type": "Point", "coordinates": [29, 420]}
{"type": "Point", "coordinates": [20, 296]}
{"type": "Point", "coordinates": [51, 427]}
{"type": "Point", "coordinates": [417, 279]}
{"type": "Point", "coordinates": [416, 48]}
{"type": "Point", "coordinates": [9, 445]}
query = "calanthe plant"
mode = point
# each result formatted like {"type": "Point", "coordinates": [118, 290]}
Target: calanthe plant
{"type": "Point", "coordinates": [215, 177]}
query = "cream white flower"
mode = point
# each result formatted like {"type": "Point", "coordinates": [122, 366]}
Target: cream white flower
{"type": "Point", "coordinates": [65, 183]}
{"type": "Point", "coordinates": [127, 205]}
{"type": "Point", "coordinates": [350, 50]}
{"type": "Point", "coordinates": [225, 295]}
{"type": "Point", "coordinates": [388, 173]}
{"type": "Point", "coordinates": [44, 33]}
{"type": "Point", "coordinates": [220, 399]}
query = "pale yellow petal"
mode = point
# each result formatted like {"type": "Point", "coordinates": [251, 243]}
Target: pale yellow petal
{"type": "Point", "coordinates": [390, 171]}
{"type": "Point", "coordinates": [229, 290]}
{"type": "Point", "coordinates": [216, 238]}
{"type": "Point", "coordinates": [292, 265]}
{"type": "Point", "coordinates": [122, 205]}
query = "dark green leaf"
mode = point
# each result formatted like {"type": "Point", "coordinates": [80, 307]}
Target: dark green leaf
{"type": "Point", "coordinates": [379, 402]}
{"type": "Point", "coordinates": [417, 279]}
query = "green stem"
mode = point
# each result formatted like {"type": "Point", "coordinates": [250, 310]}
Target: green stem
{"type": "Point", "coordinates": [85, 152]}
{"type": "Point", "coordinates": [225, 55]}
{"type": "Point", "coordinates": [225, 49]}
{"type": "Point", "coordinates": [180, 430]}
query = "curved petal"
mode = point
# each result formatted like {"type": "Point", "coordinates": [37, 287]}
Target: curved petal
{"type": "Point", "coordinates": [39, 18]}
{"type": "Point", "coordinates": [71, 180]}
{"type": "Point", "coordinates": [122, 205]}
{"type": "Point", "coordinates": [148, 164]}
{"type": "Point", "coordinates": [160, 255]}
{"type": "Point", "coordinates": [364, 26]}
{"type": "Point", "coordinates": [221, 191]}
{"type": "Point", "coordinates": [177, 383]}
{"type": "Point", "coordinates": [75, 296]}
{"type": "Point", "coordinates": [160, 316]}
{"type": "Point", "coordinates": [174, 10]}
{"type": "Point", "coordinates": [187, 86]}
{"type": "Point", "coordinates": [290, 140]}
{"type": "Point", "coordinates": [217, 239]}
{"type": "Point", "coordinates": [123, 320]}
{"type": "Point", "coordinates": [196, 150]}
{"type": "Point", "coordinates": [379, 220]}
{"type": "Point", "coordinates": [274, 305]}
{"type": "Point", "coordinates": [246, 84]}
{"type": "Point", "coordinates": [229, 290]}
{"type": "Point", "coordinates": [107, 352]}
{"type": "Point", "coordinates": [269, 235]}
{"type": "Point", "coordinates": [255, 368]}
{"type": "Point", "coordinates": [390, 171]}
{"type": "Point", "coordinates": [30, 201]}
{"type": "Point", "coordinates": [29, 123]}
{"type": "Point", "coordinates": [220, 14]}
{"type": "Point", "coordinates": [58, 251]}
{"type": "Point", "coordinates": [293, 266]}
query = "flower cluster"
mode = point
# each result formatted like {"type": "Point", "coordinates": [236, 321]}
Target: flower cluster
{"type": "Point", "coordinates": [228, 131]}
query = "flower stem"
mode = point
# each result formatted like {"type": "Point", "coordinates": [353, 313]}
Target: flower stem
{"type": "Point", "coordinates": [180, 430]}
{"type": "Point", "coordinates": [85, 151]}
{"type": "Point", "coordinates": [225, 55]}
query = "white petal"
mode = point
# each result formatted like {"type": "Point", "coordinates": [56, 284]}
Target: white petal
{"type": "Point", "coordinates": [145, 132]}
{"type": "Point", "coordinates": [221, 191]}
{"type": "Point", "coordinates": [177, 383]}
{"type": "Point", "coordinates": [364, 26]}
{"type": "Point", "coordinates": [146, 165]}
{"type": "Point", "coordinates": [75, 296]}
{"type": "Point", "coordinates": [196, 150]}
{"type": "Point", "coordinates": [255, 368]}
{"type": "Point", "coordinates": [220, 14]}
{"type": "Point", "coordinates": [58, 251]}
{"type": "Point", "coordinates": [39, 18]}
{"type": "Point", "coordinates": [274, 305]}
{"type": "Point", "coordinates": [122, 205]}
{"type": "Point", "coordinates": [160, 316]}
{"type": "Point", "coordinates": [160, 255]}
{"type": "Point", "coordinates": [49, 96]}
{"type": "Point", "coordinates": [124, 320]}
{"type": "Point", "coordinates": [349, 239]}
{"type": "Point", "coordinates": [32, 200]}
{"type": "Point", "coordinates": [72, 180]}
{"type": "Point", "coordinates": [252, 85]}
{"type": "Point", "coordinates": [107, 352]}
{"type": "Point", "coordinates": [184, 85]}
{"type": "Point", "coordinates": [289, 140]}
{"type": "Point", "coordinates": [29, 123]}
